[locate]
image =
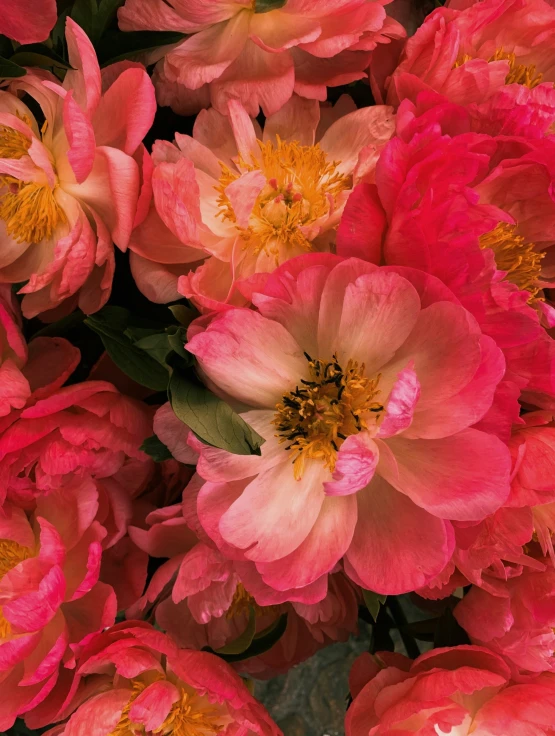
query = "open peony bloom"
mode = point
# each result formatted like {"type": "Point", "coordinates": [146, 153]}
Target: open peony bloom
{"type": "Point", "coordinates": [358, 378]}
{"type": "Point", "coordinates": [250, 199]}
{"type": "Point", "coordinates": [28, 22]}
{"type": "Point", "coordinates": [132, 679]}
{"type": "Point", "coordinates": [69, 186]}
{"type": "Point", "coordinates": [259, 52]}
{"type": "Point", "coordinates": [462, 691]}
{"type": "Point", "coordinates": [519, 623]}
{"type": "Point", "coordinates": [50, 597]}
{"type": "Point", "coordinates": [468, 55]}
{"type": "Point", "coordinates": [476, 210]}
{"type": "Point", "coordinates": [203, 599]}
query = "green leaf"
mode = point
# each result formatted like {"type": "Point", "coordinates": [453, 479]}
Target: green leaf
{"type": "Point", "coordinates": [116, 45]}
{"type": "Point", "coordinates": [133, 361]}
{"type": "Point", "coordinates": [107, 10]}
{"type": "Point", "coordinates": [157, 346]}
{"type": "Point", "coordinates": [39, 54]}
{"type": "Point", "coordinates": [210, 418]}
{"type": "Point", "coordinates": [184, 315]}
{"type": "Point", "coordinates": [59, 328]}
{"type": "Point", "coordinates": [373, 602]}
{"type": "Point", "coordinates": [264, 6]}
{"type": "Point", "coordinates": [157, 450]}
{"type": "Point", "coordinates": [243, 642]}
{"type": "Point", "coordinates": [262, 642]}
{"type": "Point", "coordinates": [83, 13]}
{"type": "Point", "coordinates": [177, 337]}
{"type": "Point", "coordinates": [8, 69]}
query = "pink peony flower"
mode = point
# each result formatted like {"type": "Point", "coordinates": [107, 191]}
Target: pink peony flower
{"type": "Point", "coordinates": [533, 450]}
{"type": "Point", "coordinates": [358, 378]}
{"type": "Point", "coordinates": [14, 388]}
{"type": "Point", "coordinates": [28, 22]}
{"type": "Point", "coordinates": [259, 55]}
{"type": "Point", "coordinates": [457, 692]}
{"type": "Point", "coordinates": [250, 199]}
{"type": "Point", "coordinates": [477, 212]}
{"type": "Point", "coordinates": [133, 679]}
{"type": "Point", "coordinates": [469, 54]}
{"type": "Point", "coordinates": [203, 599]}
{"type": "Point", "coordinates": [519, 624]}
{"type": "Point", "coordinates": [50, 598]}
{"type": "Point", "coordinates": [71, 188]}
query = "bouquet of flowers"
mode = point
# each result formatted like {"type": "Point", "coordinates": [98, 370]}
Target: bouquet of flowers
{"type": "Point", "coordinates": [277, 362]}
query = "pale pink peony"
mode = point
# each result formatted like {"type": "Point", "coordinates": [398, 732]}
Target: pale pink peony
{"type": "Point", "coordinates": [399, 372]}
{"type": "Point", "coordinates": [134, 679]}
{"type": "Point", "coordinates": [518, 623]}
{"type": "Point", "coordinates": [50, 598]}
{"type": "Point", "coordinates": [461, 691]}
{"type": "Point", "coordinates": [28, 22]}
{"type": "Point", "coordinates": [476, 211]}
{"type": "Point", "coordinates": [71, 189]}
{"type": "Point", "coordinates": [203, 599]}
{"type": "Point", "coordinates": [259, 55]}
{"type": "Point", "coordinates": [14, 388]}
{"type": "Point", "coordinates": [248, 199]}
{"type": "Point", "coordinates": [470, 54]}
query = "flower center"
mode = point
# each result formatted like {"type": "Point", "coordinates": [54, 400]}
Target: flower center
{"type": "Point", "coordinates": [11, 554]}
{"type": "Point", "coordinates": [29, 209]}
{"type": "Point", "coordinates": [302, 186]}
{"type": "Point", "coordinates": [518, 73]}
{"type": "Point", "coordinates": [513, 254]}
{"type": "Point", "coordinates": [318, 416]}
{"type": "Point", "coordinates": [191, 715]}
{"type": "Point", "coordinates": [243, 601]}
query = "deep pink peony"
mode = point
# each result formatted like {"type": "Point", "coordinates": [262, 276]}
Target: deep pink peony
{"type": "Point", "coordinates": [365, 383]}
{"type": "Point", "coordinates": [133, 679]}
{"type": "Point", "coordinates": [518, 623]}
{"type": "Point", "coordinates": [28, 22]}
{"type": "Point", "coordinates": [250, 199]}
{"type": "Point", "coordinates": [71, 189]}
{"type": "Point", "coordinates": [476, 211]}
{"type": "Point", "coordinates": [461, 691]}
{"type": "Point", "coordinates": [203, 599]}
{"type": "Point", "coordinates": [50, 598]}
{"type": "Point", "coordinates": [469, 55]}
{"type": "Point", "coordinates": [261, 54]}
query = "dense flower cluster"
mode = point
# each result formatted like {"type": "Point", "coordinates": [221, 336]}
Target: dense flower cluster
{"type": "Point", "coordinates": [265, 369]}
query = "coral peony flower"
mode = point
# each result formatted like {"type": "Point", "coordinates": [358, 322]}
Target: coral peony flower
{"type": "Point", "coordinates": [259, 53]}
{"type": "Point", "coordinates": [467, 55]}
{"type": "Point", "coordinates": [133, 679]}
{"type": "Point", "coordinates": [203, 599]}
{"type": "Point", "coordinates": [70, 186]}
{"type": "Point", "coordinates": [50, 597]}
{"type": "Point", "coordinates": [518, 624]}
{"type": "Point", "coordinates": [28, 22]}
{"type": "Point", "coordinates": [457, 692]}
{"type": "Point", "coordinates": [14, 388]}
{"type": "Point", "coordinates": [477, 212]}
{"type": "Point", "coordinates": [358, 378]}
{"type": "Point", "coordinates": [248, 199]}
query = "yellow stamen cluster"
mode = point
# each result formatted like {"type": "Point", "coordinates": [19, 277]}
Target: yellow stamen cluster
{"type": "Point", "coordinates": [518, 73]}
{"type": "Point", "coordinates": [243, 601]}
{"type": "Point", "coordinates": [318, 416]}
{"type": "Point", "coordinates": [302, 186]}
{"type": "Point", "coordinates": [191, 715]}
{"type": "Point", "coordinates": [11, 554]}
{"type": "Point", "coordinates": [29, 210]}
{"type": "Point", "coordinates": [513, 254]}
